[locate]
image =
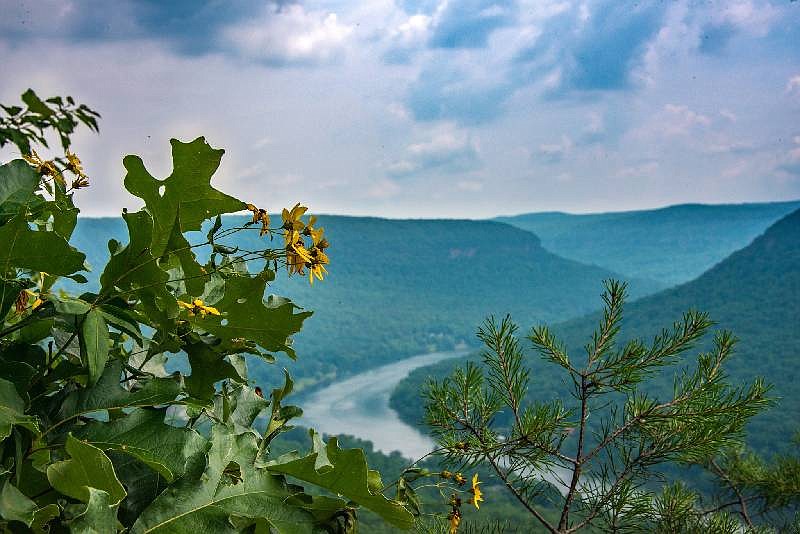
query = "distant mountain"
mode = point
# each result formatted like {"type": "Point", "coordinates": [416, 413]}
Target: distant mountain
{"type": "Point", "coordinates": [755, 292]}
{"type": "Point", "coordinates": [402, 287]}
{"type": "Point", "coordinates": [672, 245]}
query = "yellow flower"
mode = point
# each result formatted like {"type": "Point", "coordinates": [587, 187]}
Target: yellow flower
{"type": "Point", "coordinates": [459, 478]}
{"type": "Point", "coordinates": [297, 256]}
{"type": "Point", "coordinates": [316, 270]}
{"type": "Point", "coordinates": [74, 164]}
{"type": "Point", "coordinates": [260, 215]}
{"type": "Point", "coordinates": [197, 307]}
{"type": "Point", "coordinates": [314, 233]}
{"type": "Point", "coordinates": [476, 492]}
{"type": "Point", "coordinates": [300, 249]}
{"type": "Point", "coordinates": [292, 223]}
{"type": "Point", "coordinates": [316, 267]}
{"type": "Point", "coordinates": [454, 517]}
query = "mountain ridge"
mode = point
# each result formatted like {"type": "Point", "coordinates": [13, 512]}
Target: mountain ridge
{"type": "Point", "coordinates": [402, 287]}
{"type": "Point", "coordinates": [673, 244]}
{"type": "Point", "coordinates": [755, 292]}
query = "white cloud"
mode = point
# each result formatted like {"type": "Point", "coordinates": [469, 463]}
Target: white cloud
{"type": "Point", "coordinates": [642, 170]}
{"type": "Point", "coordinates": [471, 186]}
{"type": "Point", "coordinates": [414, 31]}
{"type": "Point", "coordinates": [290, 35]}
{"type": "Point", "coordinates": [791, 160]}
{"type": "Point", "coordinates": [382, 189]}
{"type": "Point", "coordinates": [793, 85]}
{"type": "Point", "coordinates": [286, 130]}
{"type": "Point", "coordinates": [680, 120]}
{"type": "Point", "coordinates": [447, 149]}
{"type": "Point", "coordinates": [556, 152]}
{"type": "Point", "coordinates": [595, 129]}
{"type": "Point", "coordinates": [399, 111]}
{"type": "Point", "coordinates": [729, 147]}
{"type": "Point", "coordinates": [403, 39]}
{"type": "Point", "coordinates": [753, 18]}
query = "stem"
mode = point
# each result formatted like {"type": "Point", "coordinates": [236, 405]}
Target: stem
{"type": "Point", "coordinates": [579, 459]}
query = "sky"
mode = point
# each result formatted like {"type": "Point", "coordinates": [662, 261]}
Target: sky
{"type": "Point", "coordinates": [428, 108]}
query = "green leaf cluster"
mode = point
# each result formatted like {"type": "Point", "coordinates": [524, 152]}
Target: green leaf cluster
{"type": "Point", "coordinates": [596, 458]}
{"type": "Point", "coordinates": [95, 434]}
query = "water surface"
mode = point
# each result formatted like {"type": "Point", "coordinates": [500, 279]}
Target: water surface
{"type": "Point", "coordinates": [359, 406]}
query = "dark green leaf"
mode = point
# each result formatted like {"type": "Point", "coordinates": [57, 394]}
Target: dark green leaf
{"type": "Point", "coordinates": [247, 316]}
{"type": "Point", "coordinates": [18, 182]}
{"type": "Point", "coordinates": [248, 406]}
{"type": "Point", "coordinates": [186, 191]}
{"type": "Point", "coordinates": [230, 487]}
{"type": "Point", "coordinates": [122, 319]}
{"type": "Point", "coordinates": [12, 411]}
{"type": "Point", "coordinates": [35, 104]}
{"type": "Point", "coordinates": [134, 269]}
{"type": "Point", "coordinates": [144, 435]}
{"type": "Point", "coordinates": [70, 305]}
{"type": "Point", "coordinates": [94, 342]}
{"type": "Point", "coordinates": [349, 477]}
{"type": "Point", "coordinates": [15, 506]}
{"type": "Point", "coordinates": [100, 516]}
{"type": "Point", "coordinates": [88, 467]}
{"type": "Point", "coordinates": [38, 251]}
{"type": "Point", "coordinates": [208, 368]}
{"type": "Point", "coordinates": [107, 394]}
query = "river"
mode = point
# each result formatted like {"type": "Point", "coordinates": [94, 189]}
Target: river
{"type": "Point", "coordinates": [359, 406]}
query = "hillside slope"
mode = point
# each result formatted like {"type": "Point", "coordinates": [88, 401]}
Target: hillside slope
{"type": "Point", "coordinates": [401, 287]}
{"type": "Point", "coordinates": [755, 293]}
{"type": "Point", "coordinates": [672, 245]}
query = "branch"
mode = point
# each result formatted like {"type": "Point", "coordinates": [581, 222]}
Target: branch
{"type": "Point", "coordinates": [715, 467]}
{"type": "Point", "coordinates": [579, 460]}
{"type": "Point", "coordinates": [626, 472]}
{"type": "Point", "coordinates": [504, 477]}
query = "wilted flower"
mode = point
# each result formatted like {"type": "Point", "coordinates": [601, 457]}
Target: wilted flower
{"type": "Point", "coordinates": [44, 167]}
{"type": "Point", "coordinates": [260, 215]}
{"type": "Point", "coordinates": [23, 299]}
{"type": "Point", "coordinates": [80, 182]}
{"type": "Point", "coordinates": [454, 518]}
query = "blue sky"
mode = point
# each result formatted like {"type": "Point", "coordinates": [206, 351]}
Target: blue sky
{"type": "Point", "coordinates": [430, 108]}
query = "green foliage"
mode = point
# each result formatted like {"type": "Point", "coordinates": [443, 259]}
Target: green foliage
{"type": "Point", "coordinates": [96, 435]}
{"type": "Point", "coordinates": [671, 245]}
{"type": "Point", "coordinates": [601, 467]}
{"type": "Point", "coordinates": [87, 467]}
{"type": "Point", "coordinates": [343, 472]}
{"type": "Point", "coordinates": [28, 126]}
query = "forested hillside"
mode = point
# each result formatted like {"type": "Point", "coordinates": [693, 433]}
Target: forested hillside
{"type": "Point", "coordinates": [755, 293]}
{"type": "Point", "coordinates": [672, 245]}
{"type": "Point", "coordinates": [401, 287]}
